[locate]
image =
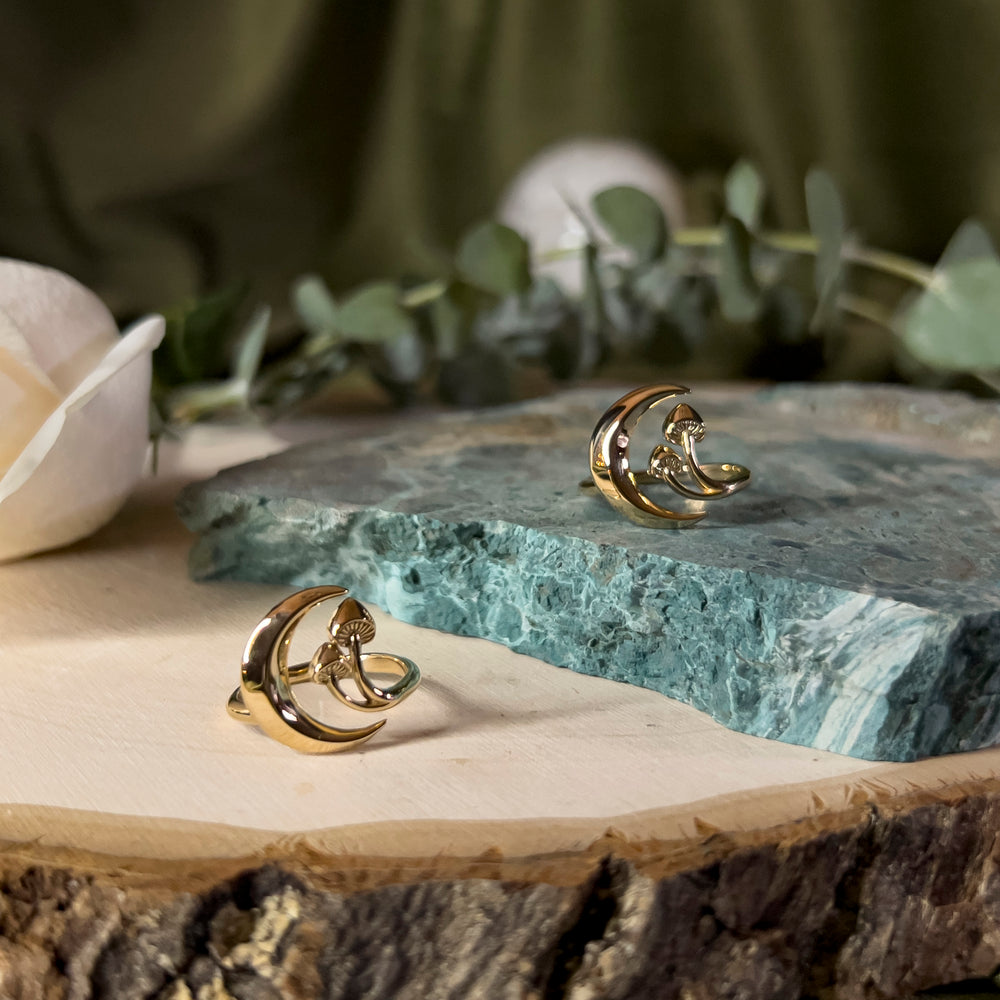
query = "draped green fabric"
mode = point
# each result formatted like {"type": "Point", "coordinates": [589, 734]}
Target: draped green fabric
{"type": "Point", "coordinates": [154, 149]}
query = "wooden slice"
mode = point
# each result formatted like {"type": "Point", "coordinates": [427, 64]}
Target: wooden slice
{"type": "Point", "coordinates": [515, 830]}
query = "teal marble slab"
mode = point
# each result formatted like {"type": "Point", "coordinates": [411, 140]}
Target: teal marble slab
{"type": "Point", "coordinates": [848, 600]}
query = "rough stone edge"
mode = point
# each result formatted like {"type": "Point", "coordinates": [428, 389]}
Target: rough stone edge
{"type": "Point", "coordinates": [804, 909]}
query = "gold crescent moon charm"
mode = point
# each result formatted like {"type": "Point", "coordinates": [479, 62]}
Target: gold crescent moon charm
{"type": "Point", "coordinates": [265, 697]}
{"type": "Point", "coordinates": [611, 470]}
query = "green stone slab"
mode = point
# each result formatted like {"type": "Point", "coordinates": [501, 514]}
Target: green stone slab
{"type": "Point", "coordinates": [848, 600]}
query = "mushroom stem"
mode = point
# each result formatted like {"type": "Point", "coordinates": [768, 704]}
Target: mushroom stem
{"type": "Point", "coordinates": [354, 644]}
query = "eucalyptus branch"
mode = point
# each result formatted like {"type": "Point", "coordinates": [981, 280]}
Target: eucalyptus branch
{"type": "Point", "coordinates": [711, 237]}
{"type": "Point", "coordinates": [464, 330]}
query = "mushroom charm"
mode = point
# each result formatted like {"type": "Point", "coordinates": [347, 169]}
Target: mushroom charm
{"type": "Point", "coordinates": [265, 695]}
{"type": "Point", "coordinates": [612, 473]}
{"type": "Point", "coordinates": [342, 659]}
{"type": "Point", "coordinates": [683, 427]}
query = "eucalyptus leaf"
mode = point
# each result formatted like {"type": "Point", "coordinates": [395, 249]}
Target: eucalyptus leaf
{"type": "Point", "coordinates": [196, 343]}
{"type": "Point", "coordinates": [744, 190]}
{"type": "Point", "coordinates": [739, 292]}
{"type": "Point", "coordinates": [314, 304]}
{"type": "Point", "coordinates": [827, 223]}
{"type": "Point", "coordinates": [687, 316]}
{"type": "Point", "coordinates": [448, 326]}
{"type": "Point", "coordinates": [656, 285]}
{"type": "Point", "coordinates": [630, 317]}
{"type": "Point", "coordinates": [634, 219]}
{"type": "Point", "coordinates": [507, 320]}
{"type": "Point", "coordinates": [453, 315]}
{"type": "Point", "coordinates": [623, 312]}
{"type": "Point", "coordinates": [524, 322]}
{"type": "Point", "coordinates": [495, 258]}
{"type": "Point", "coordinates": [249, 348]}
{"type": "Point", "coordinates": [593, 316]}
{"type": "Point", "coordinates": [546, 296]}
{"type": "Point", "coordinates": [971, 241]}
{"type": "Point", "coordinates": [404, 358]}
{"type": "Point", "coordinates": [373, 314]}
{"type": "Point", "coordinates": [952, 324]}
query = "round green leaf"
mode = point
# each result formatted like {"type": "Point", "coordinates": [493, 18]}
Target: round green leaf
{"type": "Point", "coordinates": [452, 316]}
{"type": "Point", "coordinates": [404, 357]}
{"type": "Point", "coordinates": [827, 222]}
{"type": "Point", "coordinates": [495, 258]}
{"type": "Point", "coordinates": [373, 314]}
{"type": "Point", "coordinates": [448, 325]}
{"type": "Point", "coordinates": [953, 324]}
{"type": "Point", "coordinates": [971, 240]}
{"type": "Point", "coordinates": [634, 220]}
{"type": "Point", "coordinates": [739, 293]}
{"type": "Point", "coordinates": [744, 189]}
{"type": "Point", "coordinates": [592, 312]}
{"type": "Point", "coordinates": [313, 304]}
{"type": "Point", "coordinates": [249, 349]}
{"type": "Point", "coordinates": [198, 338]}
{"type": "Point", "coordinates": [656, 285]}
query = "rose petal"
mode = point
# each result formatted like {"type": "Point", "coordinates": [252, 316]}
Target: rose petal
{"type": "Point", "coordinates": [85, 459]}
{"type": "Point", "coordinates": [66, 327]}
{"type": "Point", "coordinates": [27, 396]}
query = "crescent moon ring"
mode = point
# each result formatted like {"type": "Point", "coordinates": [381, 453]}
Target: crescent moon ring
{"type": "Point", "coordinates": [264, 696]}
{"type": "Point", "coordinates": [612, 474]}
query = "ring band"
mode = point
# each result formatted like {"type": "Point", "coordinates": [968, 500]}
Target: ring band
{"type": "Point", "coordinates": [611, 470]}
{"type": "Point", "coordinates": [265, 697]}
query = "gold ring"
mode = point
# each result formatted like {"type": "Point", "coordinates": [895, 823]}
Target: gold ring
{"type": "Point", "coordinates": [611, 470]}
{"type": "Point", "coordinates": [265, 698]}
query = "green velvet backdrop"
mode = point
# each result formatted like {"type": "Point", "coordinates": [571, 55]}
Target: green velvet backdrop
{"type": "Point", "coordinates": [152, 149]}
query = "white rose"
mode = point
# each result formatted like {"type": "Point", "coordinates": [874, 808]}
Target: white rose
{"type": "Point", "coordinates": [74, 408]}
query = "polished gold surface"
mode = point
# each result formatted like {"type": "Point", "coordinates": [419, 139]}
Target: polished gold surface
{"type": "Point", "coordinates": [265, 697]}
{"type": "Point", "coordinates": [612, 473]}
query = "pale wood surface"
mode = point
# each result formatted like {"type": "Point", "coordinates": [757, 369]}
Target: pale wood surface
{"type": "Point", "coordinates": [116, 668]}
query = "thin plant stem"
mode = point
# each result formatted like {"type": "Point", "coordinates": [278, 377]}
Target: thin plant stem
{"type": "Point", "coordinates": [805, 243]}
{"type": "Point", "coordinates": [868, 309]}
{"type": "Point", "coordinates": [422, 294]}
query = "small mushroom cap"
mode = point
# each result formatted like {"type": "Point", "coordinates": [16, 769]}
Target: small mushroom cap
{"type": "Point", "coordinates": [328, 662]}
{"type": "Point", "coordinates": [683, 418]}
{"type": "Point", "coordinates": [352, 620]}
{"type": "Point", "coordinates": [664, 460]}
